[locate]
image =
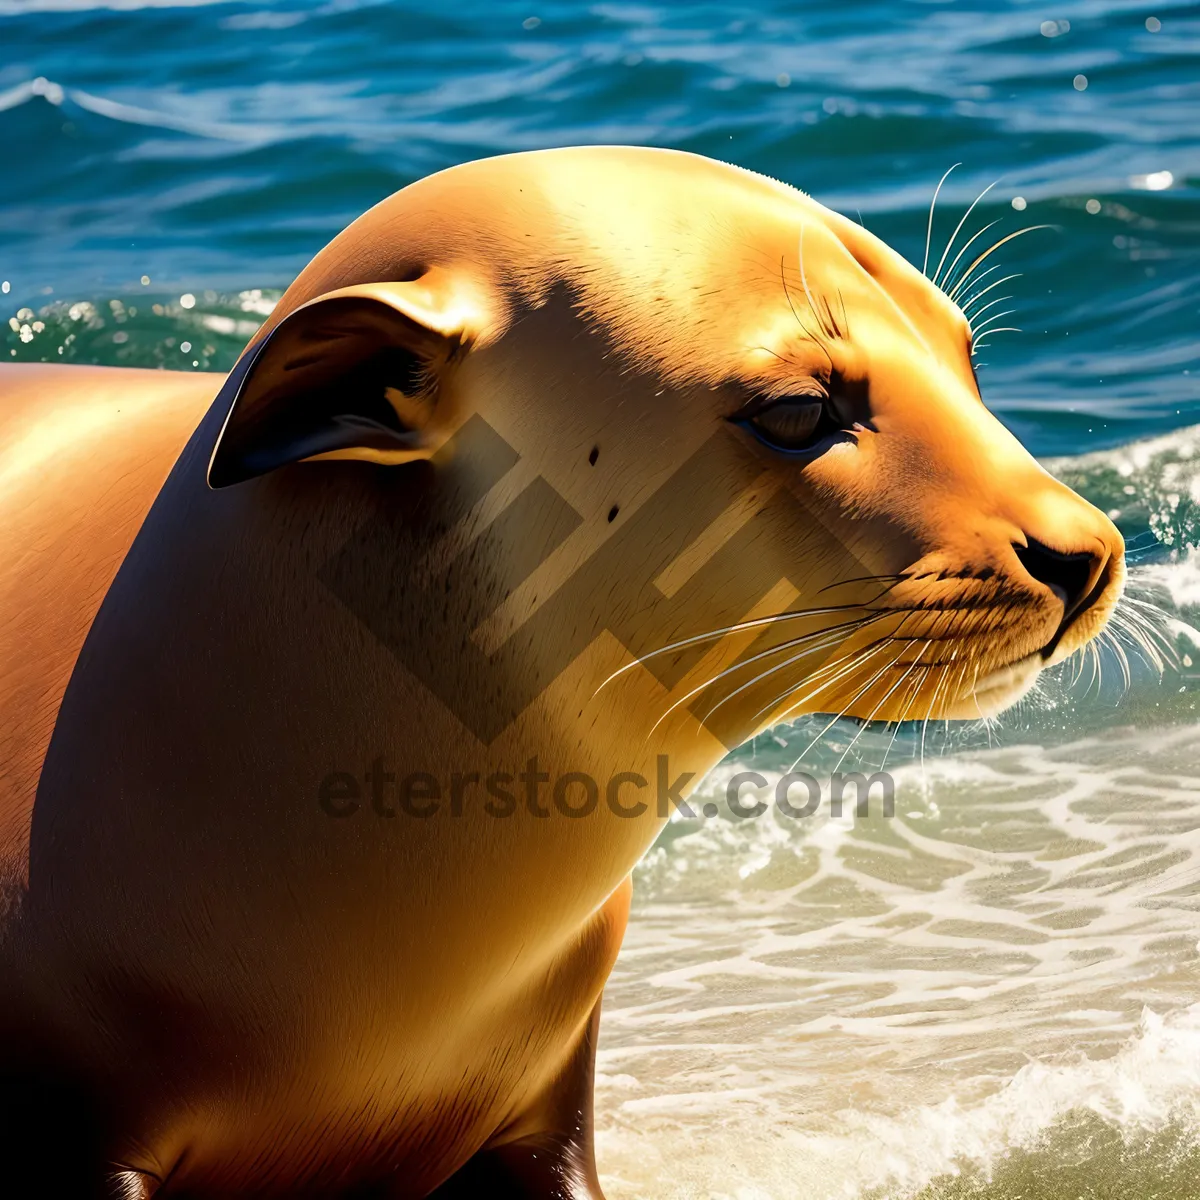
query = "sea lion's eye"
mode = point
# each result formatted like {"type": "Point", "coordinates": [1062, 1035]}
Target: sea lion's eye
{"type": "Point", "coordinates": [791, 423]}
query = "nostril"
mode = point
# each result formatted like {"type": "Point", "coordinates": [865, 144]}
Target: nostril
{"type": "Point", "coordinates": [1067, 575]}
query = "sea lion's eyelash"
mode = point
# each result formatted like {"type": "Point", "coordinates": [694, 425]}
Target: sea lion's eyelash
{"type": "Point", "coordinates": [799, 418]}
{"type": "Point", "coordinates": [814, 388]}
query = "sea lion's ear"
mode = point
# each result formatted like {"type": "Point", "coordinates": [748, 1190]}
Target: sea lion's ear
{"type": "Point", "coordinates": [351, 374]}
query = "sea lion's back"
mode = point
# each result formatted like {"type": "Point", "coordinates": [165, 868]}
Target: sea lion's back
{"type": "Point", "coordinates": [84, 452]}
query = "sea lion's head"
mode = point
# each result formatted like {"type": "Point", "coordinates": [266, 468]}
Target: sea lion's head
{"type": "Point", "coordinates": [640, 324]}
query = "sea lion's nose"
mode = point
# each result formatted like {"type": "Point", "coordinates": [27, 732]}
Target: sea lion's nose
{"type": "Point", "coordinates": [1068, 545]}
{"type": "Point", "coordinates": [1067, 575]}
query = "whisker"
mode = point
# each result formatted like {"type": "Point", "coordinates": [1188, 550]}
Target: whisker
{"type": "Point", "coordinates": [1174, 622]}
{"type": "Point", "coordinates": [739, 627]}
{"type": "Point", "coordinates": [929, 227]}
{"type": "Point", "coordinates": [816, 678]}
{"type": "Point", "coordinates": [795, 658]}
{"type": "Point", "coordinates": [1122, 659]}
{"type": "Point", "coordinates": [896, 580]}
{"type": "Point", "coordinates": [1157, 649]}
{"type": "Point", "coordinates": [1097, 673]}
{"type": "Point", "coordinates": [1147, 635]}
{"type": "Point", "coordinates": [905, 708]}
{"type": "Point", "coordinates": [1140, 602]}
{"type": "Point", "coordinates": [959, 680]}
{"type": "Point", "coordinates": [996, 246]}
{"type": "Point", "coordinates": [1088, 650]}
{"type": "Point", "coordinates": [1003, 329]}
{"type": "Point", "coordinates": [855, 659]}
{"type": "Point", "coordinates": [1122, 663]}
{"type": "Point", "coordinates": [990, 304]}
{"type": "Point", "coordinates": [1079, 659]}
{"type": "Point", "coordinates": [979, 278]}
{"type": "Point", "coordinates": [886, 697]}
{"type": "Point", "coordinates": [983, 329]}
{"type": "Point", "coordinates": [974, 296]}
{"type": "Point", "coordinates": [958, 227]}
{"type": "Point", "coordinates": [823, 637]}
{"type": "Point", "coordinates": [861, 692]}
{"type": "Point", "coordinates": [983, 720]}
{"type": "Point", "coordinates": [946, 281]}
{"type": "Point", "coordinates": [939, 687]}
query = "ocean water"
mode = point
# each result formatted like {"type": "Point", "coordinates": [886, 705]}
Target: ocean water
{"type": "Point", "coordinates": [996, 993]}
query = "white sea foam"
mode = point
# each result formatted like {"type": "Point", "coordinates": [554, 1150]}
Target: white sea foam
{"type": "Point", "coordinates": [1180, 579]}
{"type": "Point", "coordinates": [188, 122]}
{"type": "Point", "coordinates": [742, 1144]}
{"type": "Point", "coordinates": [855, 1007]}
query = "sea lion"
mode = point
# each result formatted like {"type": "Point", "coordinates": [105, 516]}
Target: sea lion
{"type": "Point", "coordinates": [324, 779]}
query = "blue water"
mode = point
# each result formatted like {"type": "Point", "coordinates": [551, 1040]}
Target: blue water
{"type": "Point", "coordinates": [218, 146]}
{"type": "Point", "coordinates": [168, 168]}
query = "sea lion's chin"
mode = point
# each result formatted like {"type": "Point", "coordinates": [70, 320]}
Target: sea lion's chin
{"type": "Point", "coordinates": [998, 690]}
